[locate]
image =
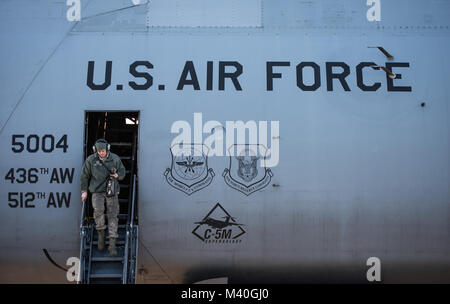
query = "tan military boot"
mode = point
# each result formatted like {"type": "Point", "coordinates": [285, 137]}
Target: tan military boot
{"type": "Point", "coordinates": [112, 247]}
{"type": "Point", "coordinates": [101, 239]}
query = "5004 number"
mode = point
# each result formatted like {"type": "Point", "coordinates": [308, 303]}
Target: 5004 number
{"type": "Point", "coordinates": [33, 143]}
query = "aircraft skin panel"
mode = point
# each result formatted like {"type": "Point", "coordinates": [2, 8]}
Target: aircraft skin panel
{"type": "Point", "coordinates": [352, 14]}
{"type": "Point", "coordinates": [27, 43]}
{"type": "Point", "coordinates": [361, 173]}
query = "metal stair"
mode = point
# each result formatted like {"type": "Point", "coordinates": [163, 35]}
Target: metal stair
{"type": "Point", "coordinates": [98, 267]}
{"type": "Point", "coordinates": [104, 268]}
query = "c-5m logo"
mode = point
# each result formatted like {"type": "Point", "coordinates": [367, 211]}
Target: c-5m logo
{"type": "Point", "coordinates": [189, 170]}
{"type": "Point", "coordinates": [218, 226]}
{"type": "Point", "coordinates": [245, 172]}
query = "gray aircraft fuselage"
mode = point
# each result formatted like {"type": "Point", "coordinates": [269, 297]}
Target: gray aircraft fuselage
{"type": "Point", "coordinates": [364, 159]}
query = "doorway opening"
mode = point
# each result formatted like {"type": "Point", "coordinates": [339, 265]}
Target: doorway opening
{"type": "Point", "coordinates": [120, 130]}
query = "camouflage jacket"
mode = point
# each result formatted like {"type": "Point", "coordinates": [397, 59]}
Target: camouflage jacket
{"type": "Point", "coordinates": [94, 175]}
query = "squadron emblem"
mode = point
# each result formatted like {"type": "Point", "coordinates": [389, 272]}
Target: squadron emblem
{"type": "Point", "coordinates": [189, 170]}
{"type": "Point", "coordinates": [245, 173]}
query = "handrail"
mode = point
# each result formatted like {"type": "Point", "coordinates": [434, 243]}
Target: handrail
{"type": "Point", "coordinates": [82, 236]}
{"type": "Point", "coordinates": [131, 184]}
{"type": "Point", "coordinates": [136, 250]}
{"type": "Point", "coordinates": [129, 234]}
{"type": "Point", "coordinates": [83, 207]}
{"type": "Point", "coordinates": [125, 258]}
{"type": "Point", "coordinates": [130, 219]}
{"type": "Point", "coordinates": [133, 202]}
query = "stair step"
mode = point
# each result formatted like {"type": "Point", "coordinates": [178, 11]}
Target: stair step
{"type": "Point", "coordinates": [105, 275]}
{"type": "Point", "coordinates": [121, 228]}
{"type": "Point", "coordinates": [107, 259]}
{"type": "Point", "coordinates": [120, 144]}
{"type": "Point", "coordinates": [120, 238]}
{"type": "Point", "coordinates": [106, 269]}
{"type": "Point", "coordinates": [122, 130]}
{"type": "Point", "coordinates": [106, 281]}
{"type": "Point", "coordinates": [125, 157]}
{"type": "Point", "coordinates": [118, 242]}
{"type": "Point", "coordinates": [121, 232]}
{"type": "Point", "coordinates": [105, 254]}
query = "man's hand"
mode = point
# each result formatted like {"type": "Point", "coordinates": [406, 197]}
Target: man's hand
{"type": "Point", "coordinates": [83, 196]}
{"type": "Point", "coordinates": [115, 175]}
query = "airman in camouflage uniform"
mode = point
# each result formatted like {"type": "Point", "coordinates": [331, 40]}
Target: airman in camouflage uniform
{"type": "Point", "coordinates": [94, 177]}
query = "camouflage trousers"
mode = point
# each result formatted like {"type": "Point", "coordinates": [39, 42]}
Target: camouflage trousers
{"type": "Point", "coordinates": [112, 209]}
